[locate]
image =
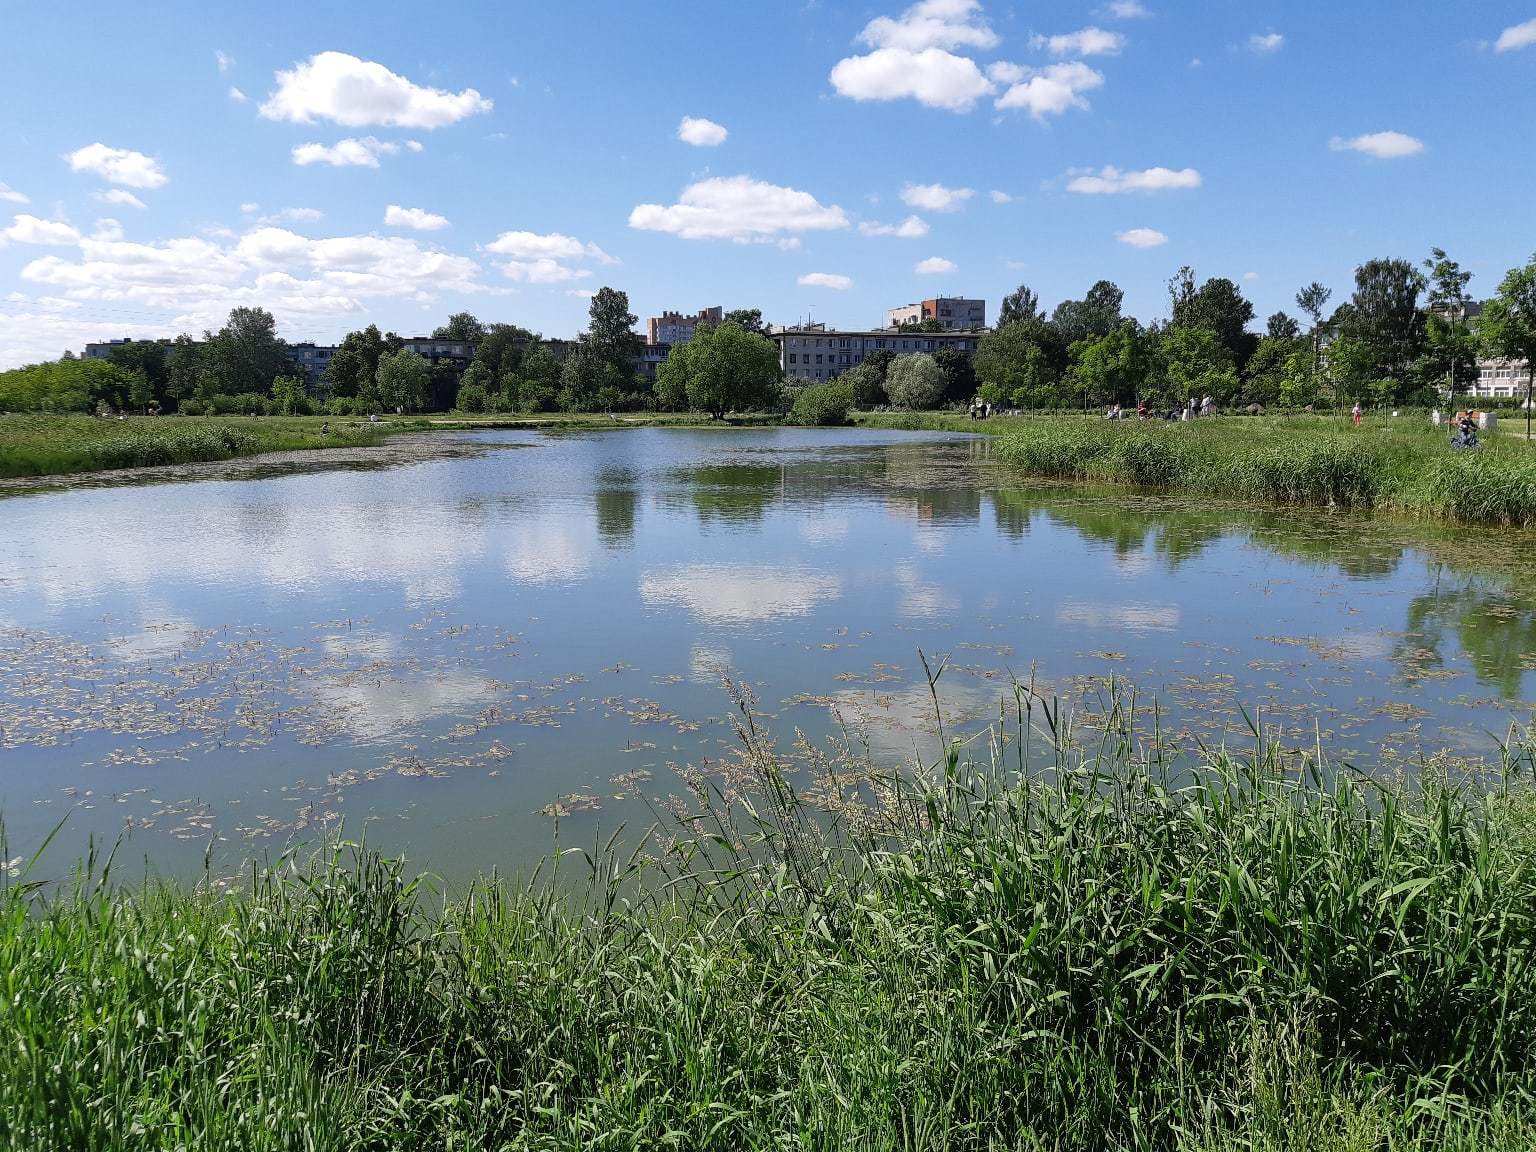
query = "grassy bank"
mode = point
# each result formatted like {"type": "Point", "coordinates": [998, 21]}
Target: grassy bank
{"type": "Point", "coordinates": [1116, 951]}
{"type": "Point", "coordinates": [35, 445]}
{"type": "Point", "coordinates": [1393, 465]}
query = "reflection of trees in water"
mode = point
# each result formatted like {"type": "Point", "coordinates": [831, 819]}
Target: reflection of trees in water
{"type": "Point", "coordinates": [615, 499]}
{"type": "Point", "coordinates": [1495, 629]}
{"type": "Point", "coordinates": [1478, 599]}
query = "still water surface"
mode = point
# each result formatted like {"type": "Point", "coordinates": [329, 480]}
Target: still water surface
{"type": "Point", "coordinates": [448, 650]}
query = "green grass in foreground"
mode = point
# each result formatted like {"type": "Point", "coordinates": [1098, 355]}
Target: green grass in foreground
{"type": "Point", "coordinates": [37, 445]}
{"type": "Point", "coordinates": [1399, 466]}
{"type": "Point", "coordinates": [1120, 952]}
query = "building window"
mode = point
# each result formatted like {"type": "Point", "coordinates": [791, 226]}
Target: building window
{"type": "Point", "coordinates": [818, 360]}
{"type": "Point", "coordinates": [791, 357]}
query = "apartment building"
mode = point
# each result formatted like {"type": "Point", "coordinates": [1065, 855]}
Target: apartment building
{"type": "Point", "coordinates": [955, 313]}
{"type": "Point", "coordinates": [814, 352]}
{"type": "Point", "coordinates": [1500, 380]}
{"type": "Point", "coordinates": [675, 328]}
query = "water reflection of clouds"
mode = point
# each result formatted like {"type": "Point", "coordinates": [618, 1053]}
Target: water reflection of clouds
{"type": "Point", "coordinates": [161, 635]}
{"type": "Point", "coordinates": [818, 528]}
{"type": "Point", "coordinates": [900, 725]}
{"type": "Point", "coordinates": [375, 708]}
{"type": "Point", "coordinates": [75, 551]}
{"type": "Point", "coordinates": [1123, 617]}
{"type": "Point", "coordinates": [920, 598]}
{"type": "Point", "coordinates": [550, 550]}
{"type": "Point", "coordinates": [721, 594]}
{"type": "Point", "coordinates": [708, 665]}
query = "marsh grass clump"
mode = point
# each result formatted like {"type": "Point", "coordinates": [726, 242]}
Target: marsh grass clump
{"type": "Point", "coordinates": [1394, 467]}
{"type": "Point", "coordinates": [1057, 943]}
{"type": "Point", "coordinates": [48, 445]}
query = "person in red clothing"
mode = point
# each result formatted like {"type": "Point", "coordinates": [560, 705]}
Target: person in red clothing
{"type": "Point", "coordinates": [1356, 414]}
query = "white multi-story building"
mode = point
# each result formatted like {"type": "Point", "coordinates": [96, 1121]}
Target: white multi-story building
{"type": "Point", "coordinates": [817, 353]}
{"type": "Point", "coordinates": [953, 312]}
{"type": "Point", "coordinates": [1500, 380]}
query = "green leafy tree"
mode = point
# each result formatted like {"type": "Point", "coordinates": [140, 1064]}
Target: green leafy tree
{"type": "Point", "coordinates": [1264, 378]}
{"type": "Point", "coordinates": [1095, 315]}
{"type": "Point", "coordinates": [915, 381]}
{"type": "Point", "coordinates": [73, 385]}
{"type": "Point", "coordinates": [353, 370]}
{"type": "Point", "coordinates": [866, 382]}
{"type": "Point", "coordinates": [402, 381]}
{"type": "Point", "coordinates": [749, 318]}
{"type": "Point", "coordinates": [1509, 326]}
{"type": "Point", "coordinates": [1450, 343]}
{"type": "Point", "coordinates": [1020, 304]}
{"type": "Point", "coordinates": [1385, 316]}
{"type": "Point", "coordinates": [1217, 305]}
{"type": "Point", "coordinates": [1312, 300]}
{"type": "Point", "coordinates": [1352, 369]}
{"type": "Point", "coordinates": [959, 375]}
{"type": "Point", "coordinates": [502, 348]}
{"type": "Point", "coordinates": [1281, 326]}
{"type": "Point", "coordinates": [461, 326]}
{"type": "Point", "coordinates": [289, 396]}
{"type": "Point", "coordinates": [1198, 364]}
{"type": "Point", "coordinates": [1113, 368]}
{"type": "Point", "coordinates": [535, 384]}
{"type": "Point", "coordinates": [1021, 363]}
{"type": "Point", "coordinates": [721, 370]}
{"type": "Point", "coordinates": [148, 359]}
{"type": "Point", "coordinates": [475, 387]}
{"type": "Point", "coordinates": [245, 356]}
{"type": "Point", "coordinates": [929, 325]}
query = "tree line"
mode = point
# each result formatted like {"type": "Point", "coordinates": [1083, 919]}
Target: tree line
{"type": "Point", "coordinates": [1407, 333]}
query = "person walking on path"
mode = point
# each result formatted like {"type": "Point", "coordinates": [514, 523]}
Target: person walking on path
{"type": "Point", "coordinates": [1355, 414]}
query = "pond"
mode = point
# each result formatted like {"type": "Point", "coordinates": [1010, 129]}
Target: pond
{"type": "Point", "coordinates": [448, 649]}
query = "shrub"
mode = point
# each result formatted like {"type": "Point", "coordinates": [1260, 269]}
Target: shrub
{"type": "Point", "coordinates": [823, 404]}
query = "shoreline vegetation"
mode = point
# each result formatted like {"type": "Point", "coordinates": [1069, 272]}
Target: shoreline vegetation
{"type": "Point", "coordinates": [1061, 937]}
{"type": "Point", "coordinates": [1401, 465]}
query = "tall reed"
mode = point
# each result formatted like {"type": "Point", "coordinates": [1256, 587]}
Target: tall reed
{"type": "Point", "coordinates": [1045, 941]}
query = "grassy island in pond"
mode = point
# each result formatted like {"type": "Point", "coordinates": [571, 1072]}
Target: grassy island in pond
{"type": "Point", "coordinates": [49, 445]}
{"type": "Point", "coordinates": [1107, 950]}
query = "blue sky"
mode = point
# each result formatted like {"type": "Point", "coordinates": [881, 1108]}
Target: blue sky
{"type": "Point", "coordinates": [151, 174]}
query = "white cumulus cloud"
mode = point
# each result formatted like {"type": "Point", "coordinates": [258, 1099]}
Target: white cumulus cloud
{"type": "Point", "coordinates": [1381, 145]}
{"type": "Point", "coordinates": [1142, 238]}
{"type": "Point", "coordinates": [1085, 42]}
{"type": "Point", "coordinates": [237, 96]}
{"type": "Point", "coordinates": [932, 24]}
{"type": "Point", "coordinates": [1001, 197]}
{"type": "Point", "coordinates": [554, 245]}
{"type": "Point", "coordinates": [345, 90]}
{"type": "Point", "coordinates": [224, 60]}
{"type": "Point", "coordinates": [912, 228]}
{"type": "Point", "coordinates": [1051, 91]}
{"type": "Point", "coordinates": [543, 271]}
{"type": "Point", "coordinates": [738, 208]}
{"type": "Point", "coordinates": [934, 266]}
{"type": "Point", "coordinates": [1518, 36]}
{"type": "Point", "coordinates": [936, 197]}
{"type": "Point", "coordinates": [1128, 10]}
{"type": "Point", "coordinates": [10, 194]}
{"type": "Point", "coordinates": [825, 280]}
{"type": "Point", "coordinates": [1111, 181]}
{"type": "Point", "coordinates": [932, 77]}
{"type": "Point", "coordinates": [353, 152]}
{"type": "Point", "coordinates": [27, 229]}
{"type": "Point", "coordinates": [119, 196]}
{"type": "Point", "coordinates": [417, 218]}
{"type": "Point", "coordinates": [118, 166]}
{"type": "Point", "coordinates": [701, 133]}
{"type": "Point", "coordinates": [1266, 42]}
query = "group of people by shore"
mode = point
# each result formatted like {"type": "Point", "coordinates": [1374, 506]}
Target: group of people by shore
{"type": "Point", "coordinates": [1192, 408]}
